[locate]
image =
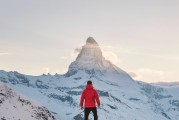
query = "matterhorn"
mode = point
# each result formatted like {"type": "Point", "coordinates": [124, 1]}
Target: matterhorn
{"type": "Point", "coordinates": [91, 61]}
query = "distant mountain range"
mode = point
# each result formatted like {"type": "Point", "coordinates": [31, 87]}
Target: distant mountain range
{"type": "Point", "coordinates": [122, 98]}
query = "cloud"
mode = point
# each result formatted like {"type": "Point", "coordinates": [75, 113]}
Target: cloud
{"type": "Point", "coordinates": [77, 50]}
{"type": "Point", "coordinates": [4, 53]}
{"type": "Point", "coordinates": [147, 75]}
{"type": "Point", "coordinates": [135, 75]}
{"type": "Point", "coordinates": [111, 57]}
{"type": "Point", "coordinates": [46, 70]}
{"type": "Point", "coordinates": [62, 71]}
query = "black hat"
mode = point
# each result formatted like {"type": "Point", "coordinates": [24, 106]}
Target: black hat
{"type": "Point", "coordinates": [89, 82]}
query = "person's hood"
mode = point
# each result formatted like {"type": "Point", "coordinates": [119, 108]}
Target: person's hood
{"type": "Point", "coordinates": [88, 86]}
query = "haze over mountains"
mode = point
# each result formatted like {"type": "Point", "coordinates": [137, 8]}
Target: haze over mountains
{"type": "Point", "coordinates": [121, 96]}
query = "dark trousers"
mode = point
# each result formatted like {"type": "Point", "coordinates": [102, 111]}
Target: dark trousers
{"type": "Point", "coordinates": [88, 110]}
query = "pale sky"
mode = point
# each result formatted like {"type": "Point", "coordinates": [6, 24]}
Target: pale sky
{"type": "Point", "coordinates": [139, 36]}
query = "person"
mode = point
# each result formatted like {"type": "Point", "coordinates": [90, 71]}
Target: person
{"type": "Point", "coordinates": [90, 96]}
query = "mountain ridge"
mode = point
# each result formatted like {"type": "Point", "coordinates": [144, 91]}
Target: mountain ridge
{"type": "Point", "coordinates": [12, 104]}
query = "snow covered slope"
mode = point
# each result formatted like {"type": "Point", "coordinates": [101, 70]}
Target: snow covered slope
{"type": "Point", "coordinates": [13, 106]}
{"type": "Point", "coordinates": [121, 96]}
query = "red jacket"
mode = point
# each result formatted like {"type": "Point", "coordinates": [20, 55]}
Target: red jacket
{"type": "Point", "coordinates": [89, 95]}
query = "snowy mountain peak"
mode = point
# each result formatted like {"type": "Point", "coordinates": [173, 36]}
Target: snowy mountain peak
{"type": "Point", "coordinates": [91, 60]}
{"type": "Point", "coordinates": [90, 52]}
{"type": "Point", "coordinates": [91, 40]}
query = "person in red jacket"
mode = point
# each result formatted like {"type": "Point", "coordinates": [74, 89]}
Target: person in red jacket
{"type": "Point", "coordinates": [90, 96]}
